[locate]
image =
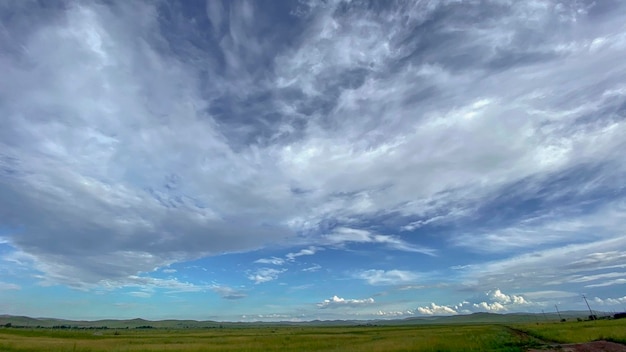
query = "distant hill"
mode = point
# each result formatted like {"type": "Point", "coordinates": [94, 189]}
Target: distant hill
{"type": "Point", "coordinates": [19, 321]}
{"type": "Point", "coordinates": [475, 318]}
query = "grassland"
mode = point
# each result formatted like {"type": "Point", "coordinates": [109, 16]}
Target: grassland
{"type": "Point", "coordinates": [577, 332]}
{"type": "Point", "coordinates": [454, 337]}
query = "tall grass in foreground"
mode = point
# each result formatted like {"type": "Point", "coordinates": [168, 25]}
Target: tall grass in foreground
{"type": "Point", "coordinates": [402, 338]}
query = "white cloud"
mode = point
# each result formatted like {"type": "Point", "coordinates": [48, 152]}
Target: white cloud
{"type": "Point", "coordinates": [313, 268]}
{"type": "Point", "coordinates": [228, 292]}
{"type": "Point", "coordinates": [141, 294]}
{"type": "Point", "coordinates": [500, 297]}
{"type": "Point", "coordinates": [610, 301]}
{"type": "Point", "coordinates": [101, 137]}
{"type": "Point", "coordinates": [595, 277]}
{"type": "Point", "coordinates": [419, 223]}
{"type": "Point", "coordinates": [549, 295]}
{"type": "Point", "coordinates": [337, 302]}
{"type": "Point", "coordinates": [307, 251]}
{"type": "Point", "coordinates": [549, 267]}
{"type": "Point", "coordinates": [115, 159]}
{"type": "Point", "coordinates": [148, 284]}
{"type": "Point", "coordinates": [265, 275]}
{"type": "Point", "coordinates": [498, 301]}
{"type": "Point", "coordinates": [394, 314]}
{"type": "Point", "coordinates": [494, 301]}
{"type": "Point", "coordinates": [387, 277]}
{"type": "Point", "coordinates": [435, 309]}
{"type": "Point", "coordinates": [346, 235]}
{"type": "Point", "coordinates": [548, 229]}
{"type": "Point", "coordinates": [9, 286]}
{"type": "Point", "coordinates": [490, 307]}
{"type": "Point", "coordinates": [608, 283]}
{"type": "Point", "coordinates": [272, 260]}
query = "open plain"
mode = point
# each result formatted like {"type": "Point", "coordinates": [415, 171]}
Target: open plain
{"type": "Point", "coordinates": [250, 337]}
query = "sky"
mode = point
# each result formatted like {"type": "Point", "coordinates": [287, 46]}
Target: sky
{"type": "Point", "coordinates": [299, 160]}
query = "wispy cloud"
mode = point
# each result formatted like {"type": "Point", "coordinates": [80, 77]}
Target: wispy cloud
{"type": "Point", "coordinates": [141, 294]}
{"type": "Point", "coordinates": [272, 260]}
{"type": "Point", "coordinates": [9, 286]}
{"type": "Point", "coordinates": [313, 268]}
{"type": "Point", "coordinates": [345, 235]}
{"type": "Point", "coordinates": [552, 267]}
{"type": "Point", "coordinates": [228, 292]}
{"type": "Point", "coordinates": [265, 275]}
{"type": "Point", "coordinates": [387, 277]}
{"type": "Point", "coordinates": [484, 136]}
{"type": "Point", "coordinates": [549, 295]}
{"type": "Point", "coordinates": [608, 283]}
{"type": "Point", "coordinates": [307, 251]}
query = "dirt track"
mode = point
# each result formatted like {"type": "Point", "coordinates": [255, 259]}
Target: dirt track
{"type": "Point", "coordinates": [595, 346]}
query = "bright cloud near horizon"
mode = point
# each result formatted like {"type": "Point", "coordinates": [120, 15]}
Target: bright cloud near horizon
{"type": "Point", "coordinates": [301, 160]}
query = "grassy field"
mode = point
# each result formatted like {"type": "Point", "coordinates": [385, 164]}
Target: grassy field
{"type": "Point", "coordinates": [364, 338]}
{"type": "Point", "coordinates": [575, 332]}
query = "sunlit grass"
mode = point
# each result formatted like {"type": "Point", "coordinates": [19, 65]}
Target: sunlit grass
{"type": "Point", "coordinates": [404, 338]}
{"type": "Point", "coordinates": [300, 338]}
{"type": "Point", "coordinates": [575, 332]}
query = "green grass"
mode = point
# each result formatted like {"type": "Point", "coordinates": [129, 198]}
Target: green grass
{"type": "Point", "coordinates": [372, 338]}
{"type": "Point", "coordinates": [453, 337]}
{"type": "Point", "coordinates": [575, 332]}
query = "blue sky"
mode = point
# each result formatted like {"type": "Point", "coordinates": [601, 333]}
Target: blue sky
{"type": "Point", "coordinates": [300, 160]}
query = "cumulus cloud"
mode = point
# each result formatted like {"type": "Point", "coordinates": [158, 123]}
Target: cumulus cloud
{"type": "Point", "coordinates": [610, 301]}
{"type": "Point", "coordinates": [492, 301]}
{"type": "Point", "coordinates": [387, 277]}
{"type": "Point", "coordinates": [500, 297]}
{"type": "Point", "coordinates": [394, 314]}
{"type": "Point", "coordinates": [489, 307]}
{"type": "Point", "coordinates": [337, 302]}
{"type": "Point", "coordinates": [435, 309]}
{"type": "Point", "coordinates": [497, 301]}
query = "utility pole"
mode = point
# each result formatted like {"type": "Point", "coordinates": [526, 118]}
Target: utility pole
{"type": "Point", "coordinates": [590, 312]}
{"type": "Point", "coordinates": [557, 312]}
{"type": "Point", "coordinates": [544, 315]}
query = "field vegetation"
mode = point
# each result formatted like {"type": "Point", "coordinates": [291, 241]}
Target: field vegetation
{"type": "Point", "coordinates": [452, 337]}
{"type": "Point", "coordinates": [578, 332]}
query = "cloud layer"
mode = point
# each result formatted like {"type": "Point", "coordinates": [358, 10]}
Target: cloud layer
{"type": "Point", "coordinates": [385, 143]}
